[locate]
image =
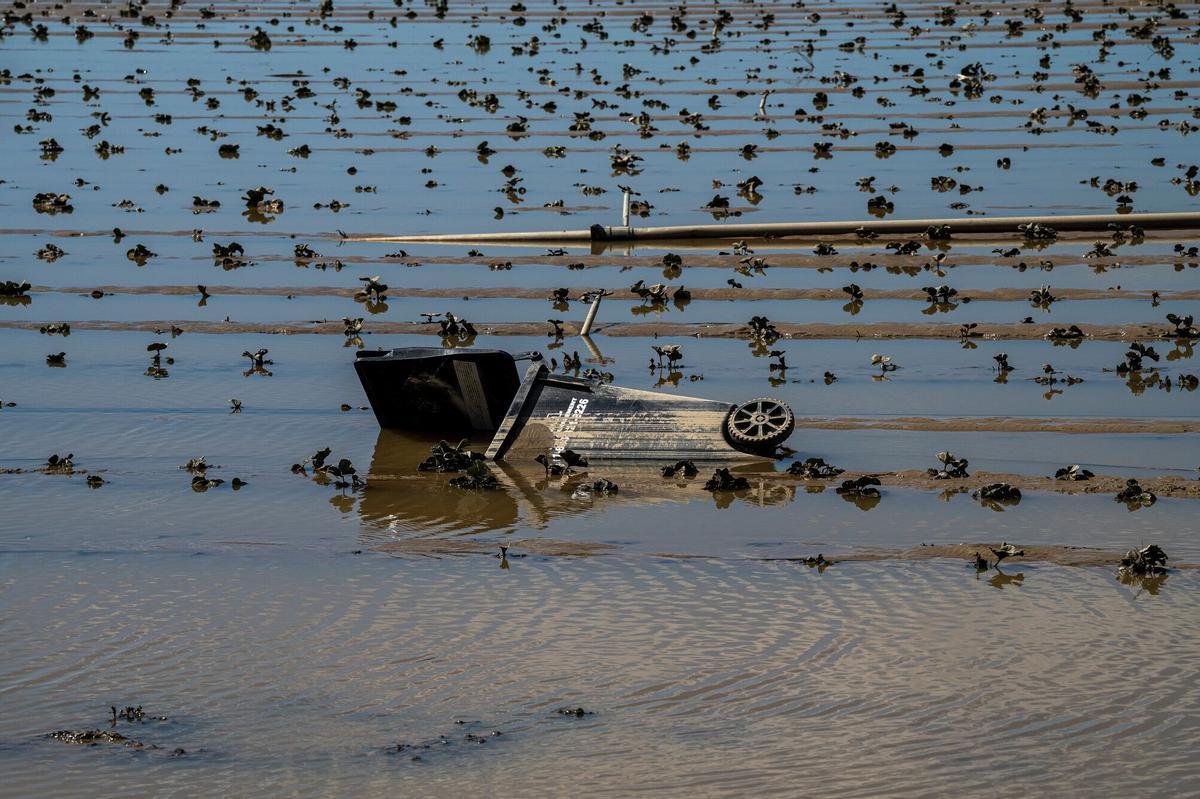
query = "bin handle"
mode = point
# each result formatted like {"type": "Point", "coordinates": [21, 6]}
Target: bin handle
{"type": "Point", "coordinates": [532, 355]}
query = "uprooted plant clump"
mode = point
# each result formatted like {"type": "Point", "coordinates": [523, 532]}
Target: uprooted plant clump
{"type": "Point", "coordinates": [343, 473]}
{"type": "Point", "coordinates": [995, 495]}
{"type": "Point", "coordinates": [1134, 496]}
{"type": "Point", "coordinates": [814, 469]}
{"type": "Point", "coordinates": [723, 480]}
{"type": "Point", "coordinates": [684, 468]}
{"type": "Point", "coordinates": [446, 458]}
{"type": "Point", "coordinates": [862, 492]}
{"type": "Point", "coordinates": [1149, 561]}
{"type": "Point", "coordinates": [952, 466]}
{"type": "Point", "coordinates": [476, 477]}
{"type": "Point", "coordinates": [474, 473]}
{"type": "Point", "coordinates": [1074, 472]}
{"type": "Point", "coordinates": [96, 737]}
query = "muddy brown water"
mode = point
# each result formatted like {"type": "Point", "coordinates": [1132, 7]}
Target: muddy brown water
{"type": "Point", "coordinates": [307, 641]}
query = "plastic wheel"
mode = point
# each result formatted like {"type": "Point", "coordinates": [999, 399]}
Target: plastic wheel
{"type": "Point", "coordinates": [760, 424]}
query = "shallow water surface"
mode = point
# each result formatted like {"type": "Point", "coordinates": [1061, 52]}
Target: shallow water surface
{"type": "Point", "coordinates": [303, 674]}
{"type": "Point", "coordinates": [302, 639]}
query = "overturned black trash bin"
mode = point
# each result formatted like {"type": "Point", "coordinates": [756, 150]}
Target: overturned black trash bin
{"type": "Point", "coordinates": [458, 392]}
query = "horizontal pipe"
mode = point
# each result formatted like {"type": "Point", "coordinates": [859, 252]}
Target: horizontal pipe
{"type": "Point", "coordinates": [997, 224]}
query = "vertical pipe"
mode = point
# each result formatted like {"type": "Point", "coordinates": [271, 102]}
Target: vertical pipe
{"type": "Point", "coordinates": [591, 314]}
{"type": "Point", "coordinates": [625, 209]}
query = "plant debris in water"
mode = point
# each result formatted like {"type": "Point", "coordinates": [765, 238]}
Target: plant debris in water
{"type": "Point", "coordinates": [1149, 561]}
{"type": "Point", "coordinates": [684, 468]}
{"type": "Point", "coordinates": [443, 457]}
{"type": "Point", "coordinates": [952, 466]}
{"type": "Point", "coordinates": [574, 712]}
{"type": "Point", "coordinates": [865, 486]}
{"type": "Point", "coordinates": [814, 469]}
{"type": "Point", "coordinates": [1134, 496]}
{"type": "Point", "coordinates": [723, 480]}
{"type": "Point", "coordinates": [1074, 472]}
{"type": "Point", "coordinates": [476, 477]}
{"type": "Point", "coordinates": [995, 494]}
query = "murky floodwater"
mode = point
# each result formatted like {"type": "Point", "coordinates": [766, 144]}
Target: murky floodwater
{"type": "Point", "coordinates": [303, 640]}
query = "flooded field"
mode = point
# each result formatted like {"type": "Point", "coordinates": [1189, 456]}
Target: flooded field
{"type": "Point", "coordinates": [189, 184]}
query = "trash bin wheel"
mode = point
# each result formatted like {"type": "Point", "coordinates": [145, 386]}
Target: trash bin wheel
{"type": "Point", "coordinates": [762, 423]}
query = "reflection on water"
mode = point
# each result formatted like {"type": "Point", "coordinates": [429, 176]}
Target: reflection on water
{"type": "Point", "coordinates": [308, 674]}
{"type": "Point", "coordinates": [399, 499]}
{"type": "Point", "coordinates": [292, 658]}
{"type": "Point", "coordinates": [1004, 580]}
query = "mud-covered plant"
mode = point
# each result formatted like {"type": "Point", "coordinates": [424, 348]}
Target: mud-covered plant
{"type": "Point", "coordinates": [476, 477]}
{"type": "Point", "coordinates": [952, 466]}
{"type": "Point", "coordinates": [1072, 333]}
{"type": "Point", "coordinates": [1042, 297]}
{"type": "Point", "coordinates": [13, 288]}
{"type": "Point", "coordinates": [1183, 326]}
{"type": "Point", "coordinates": [373, 290]}
{"type": "Point", "coordinates": [444, 457]}
{"type": "Point", "coordinates": [684, 468]}
{"type": "Point", "coordinates": [762, 330]}
{"type": "Point", "coordinates": [60, 463]}
{"type": "Point", "coordinates": [1135, 356]}
{"type": "Point", "coordinates": [655, 293]}
{"type": "Point", "coordinates": [814, 469]}
{"type": "Point", "coordinates": [865, 486]}
{"type": "Point", "coordinates": [673, 353]}
{"type": "Point", "coordinates": [1035, 231]}
{"type": "Point", "coordinates": [456, 329]}
{"type": "Point", "coordinates": [723, 480]}
{"type": "Point", "coordinates": [1134, 496]}
{"type": "Point", "coordinates": [1005, 493]}
{"type": "Point", "coordinates": [884, 362]}
{"type": "Point", "coordinates": [1149, 561]}
{"type": "Point", "coordinates": [939, 295]}
{"type": "Point", "coordinates": [1073, 472]}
